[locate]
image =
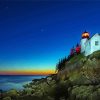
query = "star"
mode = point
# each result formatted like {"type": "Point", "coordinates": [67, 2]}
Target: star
{"type": "Point", "coordinates": [42, 30]}
{"type": "Point", "coordinates": [6, 7]}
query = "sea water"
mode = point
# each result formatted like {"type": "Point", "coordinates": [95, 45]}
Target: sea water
{"type": "Point", "coordinates": [8, 82]}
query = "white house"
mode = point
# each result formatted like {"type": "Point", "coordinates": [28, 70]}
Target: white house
{"type": "Point", "coordinates": [89, 45]}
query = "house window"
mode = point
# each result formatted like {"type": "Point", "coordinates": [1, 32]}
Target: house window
{"type": "Point", "coordinates": [96, 43]}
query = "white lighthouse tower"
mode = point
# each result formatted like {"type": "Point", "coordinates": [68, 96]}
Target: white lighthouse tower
{"type": "Point", "coordinates": [85, 37]}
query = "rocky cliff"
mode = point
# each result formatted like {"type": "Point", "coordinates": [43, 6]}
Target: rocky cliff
{"type": "Point", "coordinates": [78, 80]}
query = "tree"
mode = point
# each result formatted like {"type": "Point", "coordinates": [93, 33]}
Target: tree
{"type": "Point", "coordinates": [78, 49]}
{"type": "Point", "coordinates": [72, 52]}
{"type": "Point", "coordinates": [61, 64]}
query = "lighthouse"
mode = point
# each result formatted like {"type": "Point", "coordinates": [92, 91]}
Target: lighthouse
{"type": "Point", "coordinates": [85, 37]}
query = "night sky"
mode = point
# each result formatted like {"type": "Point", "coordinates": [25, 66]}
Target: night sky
{"type": "Point", "coordinates": [34, 35]}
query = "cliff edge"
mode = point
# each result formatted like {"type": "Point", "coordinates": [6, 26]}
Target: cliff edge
{"type": "Point", "coordinates": [77, 79]}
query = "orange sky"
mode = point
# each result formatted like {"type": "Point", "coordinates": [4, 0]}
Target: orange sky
{"type": "Point", "coordinates": [27, 72]}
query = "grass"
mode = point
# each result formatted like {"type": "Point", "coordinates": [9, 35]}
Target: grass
{"type": "Point", "coordinates": [76, 58]}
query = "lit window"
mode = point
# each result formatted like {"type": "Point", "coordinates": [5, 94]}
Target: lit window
{"type": "Point", "coordinates": [96, 43]}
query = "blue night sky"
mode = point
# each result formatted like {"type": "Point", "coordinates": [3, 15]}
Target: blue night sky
{"type": "Point", "coordinates": [34, 35]}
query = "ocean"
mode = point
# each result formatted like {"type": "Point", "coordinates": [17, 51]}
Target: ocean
{"type": "Point", "coordinates": [8, 82]}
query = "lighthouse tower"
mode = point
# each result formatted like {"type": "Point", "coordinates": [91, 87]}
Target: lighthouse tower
{"type": "Point", "coordinates": [85, 37]}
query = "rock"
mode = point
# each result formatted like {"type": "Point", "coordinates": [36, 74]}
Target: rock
{"type": "Point", "coordinates": [12, 93]}
{"type": "Point", "coordinates": [82, 92]}
{"type": "Point", "coordinates": [6, 98]}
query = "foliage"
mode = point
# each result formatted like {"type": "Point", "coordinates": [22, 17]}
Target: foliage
{"type": "Point", "coordinates": [61, 64]}
{"type": "Point", "coordinates": [95, 55]}
{"type": "Point", "coordinates": [70, 59]}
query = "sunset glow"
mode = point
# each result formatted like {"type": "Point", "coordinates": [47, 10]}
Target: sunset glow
{"type": "Point", "coordinates": [34, 36]}
{"type": "Point", "coordinates": [27, 72]}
